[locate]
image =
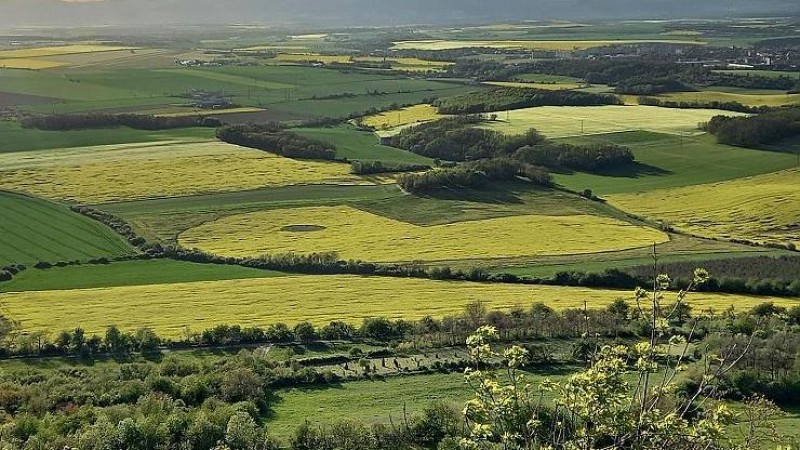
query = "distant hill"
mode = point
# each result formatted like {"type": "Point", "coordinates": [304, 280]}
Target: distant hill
{"type": "Point", "coordinates": [366, 12]}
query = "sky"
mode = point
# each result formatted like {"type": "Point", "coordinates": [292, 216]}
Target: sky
{"type": "Point", "coordinates": [363, 12]}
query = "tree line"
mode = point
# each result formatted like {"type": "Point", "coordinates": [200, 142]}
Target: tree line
{"type": "Point", "coordinates": [757, 130]}
{"type": "Point", "coordinates": [646, 75]}
{"type": "Point", "coordinates": [274, 138]}
{"type": "Point", "coordinates": [474, 175]}
{"type": "Point", "coordinates": [65, 122]}
{"type": "Point", "coordinates": [500, 99]}
{"type": "Point", "coordinates": [727, 106]}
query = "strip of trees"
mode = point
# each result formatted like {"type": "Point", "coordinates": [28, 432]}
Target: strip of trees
{"type": "Point", "coordinates": [517, 98]}
{"type": "Point", "coordinates": [755, 131]}
{"type": "Point", "coordinates": [274, 138]}
{"type": "Point", "coordinates": [64, 122]}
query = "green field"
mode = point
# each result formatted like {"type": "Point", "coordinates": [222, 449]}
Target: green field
{"type": "Point", "coordinates": [33, 230]}
{"type": "Point", "coordinates": [356, 145]}
{"type": "Point", "coordinates": [285, 91]}
{"type": "Point", "coordinates": [127, 273]}
{"type": "Point", "coordinates": [665, 161]}
{"type": "Point", "coordinates": [18, 139]}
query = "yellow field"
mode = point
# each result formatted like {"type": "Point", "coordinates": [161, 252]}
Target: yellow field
{"type": "Point", "coordinates": [525, 45]}
{"type": "Point", "coordinates": [563, 121]}
{"type": "Point", "coordinates": [135, 171]}
{"type": "Point", "coordinates": [171, 309]}
{"type": "Point", "coordinates": [761, 208]}
{"type": "Point", "coordinates": [30, 64]}
{"type": "Point", "coordinates": [59, 50]}
{"type": "Point", "coordinates": [404, 116]}
{"type": "Point", "coordinates": [544, 86]}
{"type": "Point", "coordinates": [308, 57]}
{"type": "Point", "coordinates": [356, 234]}
{"type": "Point", "coordinates": [745, 99]}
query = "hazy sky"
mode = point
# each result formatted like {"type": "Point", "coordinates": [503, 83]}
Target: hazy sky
{"type": "Point", "coordinates": [361, 12]}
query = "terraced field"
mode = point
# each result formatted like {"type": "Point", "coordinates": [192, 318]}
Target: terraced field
{"type": "Point", "coordinates": [172, 308]}
{"type": "Point", "coordinates": [355, 234]}
{"type": "Point", "coordinates": [563, 121]}
{"type": "Point", "coordinates": [33, 230]}
{"type": "Point", "coordinates": [166, 169]}
{"type": "Point", "coordinates": [763, 208]}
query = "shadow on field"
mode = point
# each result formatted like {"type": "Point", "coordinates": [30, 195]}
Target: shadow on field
{"type": "Point", "coordinates": [493, 196]}
{"type": "Point", "coordinates": [632, 170]}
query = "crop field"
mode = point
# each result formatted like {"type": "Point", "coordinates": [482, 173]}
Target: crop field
{"type": "Point", "coordinates": [171, 308]}
{"type": "Point", "coordinates": [563, 121]}
{"type": "Point", "coordinates": [302, 91]}
{"type": "Point", "coordinates": [18, 139]}
{"type": "Point", "coordinates": [362, 146]}
{"type": "Point", "coordinates": [403, 116]}
{"type": "Point", "coordinates": [28, 63]}
{"type": "Point", "coordinates": [36, 52]}
{"type": "Point", "coordinates": [565, 45]}
{"type": "Point", "coordinates": [744, 97]}
{"type": "Point", "coordinates": [667, 161]}
{"type": "Point", "coordinates": [543, 86]}
{"type": "Point", "coordinates": [33, 230]}
{"type": "Point", "coordinates": [763, 208]}
{"type": "Point", "coordinates": [165, 169]}
{"type": "Point", "coordinates": [127, 273]}
{"type": "Point", "coordinates": [356, 234]}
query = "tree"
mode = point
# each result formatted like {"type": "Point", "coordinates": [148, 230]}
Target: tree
{"type": "Point", "coordinates": [599, 407]}
{"type": "Point", "coordinates": [242, 433]}
{"type": "Point", "coordinates": [305, 332]}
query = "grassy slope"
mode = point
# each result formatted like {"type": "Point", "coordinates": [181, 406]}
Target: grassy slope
{"type": "Point", "coordinates": [16, 138]}
{"type": "Point", "coordinates": [362, 146]}
{"type": "Point", "coordinates": [287, 89]}
{"type": "Point", "coordinates": [663, 162]}
{"type": "Point", "coordinates": [34, 230]}
{"type": "Point", "coordinates": [127, 273]}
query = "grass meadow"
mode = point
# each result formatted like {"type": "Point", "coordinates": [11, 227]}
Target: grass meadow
{"type": "Point", "coordinates": [33, 230]}
{"type": "Point", "coordinates": [354, 144]}
{"type": "Point", "coordinates": [360, 235]}
{"type": "Point", "coordinates": [666, 161]}
{"type": "Point", "coordinates": [171, 309]}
